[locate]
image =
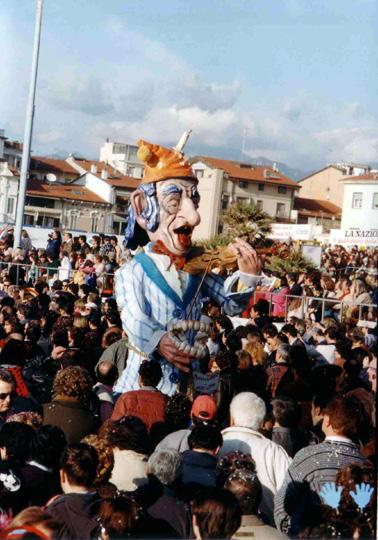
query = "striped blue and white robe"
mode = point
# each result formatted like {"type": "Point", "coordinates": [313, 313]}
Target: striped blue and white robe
{"type": "Point", "coordinates": [150, 293]}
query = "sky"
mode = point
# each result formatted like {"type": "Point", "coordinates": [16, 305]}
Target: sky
{"type": "Point", "coordinates": [294, 81]}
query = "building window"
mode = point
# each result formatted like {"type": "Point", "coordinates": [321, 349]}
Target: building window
{"type": "Point", "coordinates": [220, 228]}
{"type": "Point", "coordinates": [375, 201]}
{"type": "Point", "coordinates": [10, 205]}
{"type": "Point", "coordinates": [357, 200]}
{"type": "Point", "coordinates": [260, 205]}
{"type": "Point", "coordinates": [73, 220]}
{"type": "Point", "coordinates": [39, 201]}
{"type": "Point", "coordinates": [282, 189]}
{"type": "Point", "coordinates": [94, 223]}
{"type": "Point", "coordinates": [280, 210]}
{"type": "Point", "coordinates": [199, 173]}
{"type": "Point", "coordinates": [225, 201]}
{"type": "Point", "coordinates": [28, 220]}
{"type": "Point", "coordinates": [261, 187]}
{"type": "Point", "coordinates": [242, 184]}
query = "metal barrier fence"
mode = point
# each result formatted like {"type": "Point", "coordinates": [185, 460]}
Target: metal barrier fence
{"type": "Point", "coordinates": [31, 273]}
{"type": "Point", "coordinates": [305, 301]}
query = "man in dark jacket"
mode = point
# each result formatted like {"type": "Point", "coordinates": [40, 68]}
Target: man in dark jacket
{"type": "Point", "coordinates": [200, 462]}
{"type": "Point", "coordinates": [78, 507]}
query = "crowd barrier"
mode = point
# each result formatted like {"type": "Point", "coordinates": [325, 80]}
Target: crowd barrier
{"type": "Point", "coordinates": [365, 311]}
{"type": "Point", "coordinates": [20, 273]}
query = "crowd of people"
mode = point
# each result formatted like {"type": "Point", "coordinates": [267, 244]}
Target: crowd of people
{"type": "Point", "coordinates": [275, 438]}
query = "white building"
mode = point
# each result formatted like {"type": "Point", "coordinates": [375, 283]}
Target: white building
{"type": "Point", "coordinates": [359, 222]}
{"type": "Point", "coordinates": [222, 182]}
{"type": "Point", "coordinates": [122, 157]}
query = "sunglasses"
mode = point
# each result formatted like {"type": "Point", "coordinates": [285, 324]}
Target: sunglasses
{"type": "Point", "coordinates": [4, 395]}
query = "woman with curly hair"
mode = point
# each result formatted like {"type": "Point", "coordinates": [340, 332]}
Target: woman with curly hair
{"type": "Point", "coordinates": [70, 408]}
{"type": "Point", "coordinates": [105, 459]}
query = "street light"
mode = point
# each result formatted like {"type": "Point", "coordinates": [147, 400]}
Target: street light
{"type": "Point", "coordinates": [28, 127]}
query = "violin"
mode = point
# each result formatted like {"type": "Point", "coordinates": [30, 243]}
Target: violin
{"type": "Point", "coordinates": [201, 260]}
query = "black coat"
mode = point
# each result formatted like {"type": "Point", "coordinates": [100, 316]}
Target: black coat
{"type": "Point", "coordinates": [78, 512]}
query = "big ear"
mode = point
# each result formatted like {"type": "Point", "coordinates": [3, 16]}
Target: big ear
{"type": "Point", "coordinates": [138, 202]}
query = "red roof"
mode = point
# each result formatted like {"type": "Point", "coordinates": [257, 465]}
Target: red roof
{"type": "Point", "coordinates": [62, 191]}
{"type": "Point", "coordinates": [45, 164]}
{"type": "Point", "coordinates": [115, 178]}
{"type": "Point", "coordinates": [248, 172]}
{"type": "Point", "coordinates": [371, 176]}
{"type": "Point", "coordinates": [314, 207]}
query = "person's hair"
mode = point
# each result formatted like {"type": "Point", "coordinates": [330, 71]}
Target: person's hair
{"type": "Point", "coordinates": [113, 317]}
{"type": "Point", "coordinates": [13, 353]}
{"type": "Point", "coordinates": [129, 433]}
{"type": "Point", "coordinates": [30, 418]}
{"type": "Point", "coordinates": [321, 399]}
{"type": "Point", "coordinates": [225, 359]}
{"type": "Point", "coordinates": [165, 465]}
{"type": "Point", "coordinates": [111, 335]}
{"type": "Point", "coordinates": [35, 516]}
{"type": "Point", "coordinates": [107, 372]}
{"type": "Point", "coordinates": [206, 437]}
{"type": "Point", "coordinates": [217, 513]}
{"type": "Point", "coordinates": [261, 307]}
{"type": "Point", "coordinates": [254, 332]}
{"type": "Point", "coordinates": [33, 331]}
{"type": "Point", "coordinates": [247, 410]}
{"type": "Point", "coordinates": [17, 439]}
{"type": "Point", "coordinates": [150, 373]}
{"type": "Point", "coordinates": [48, 445]}
{"type": "Point", "coordinates": [284, 351]}
{"type": "Point", "coordinates": [65, 304]}
{"type": "Point", "coordinates": [286, 412]}
{"type": "Point", "coordinates": [292, 276]}
{"type": "Point", "coordinates": [344, 415]}
{"type": "Point", "coordinates": [104, 455]}
{"type": "Point", "coordinates": [234, 462]}
{"type": "Point", "coordinates": [270, 330]}
{"type": "Point", "coordinates": [6, 376]}
{"type": "Point", "coordinates": [329, 284]}
{"type": "Point", "coordinates": [73, 381]}
{"type": "Point", "coordinates": [289, 329]}
{"type": "Point", "coordinates": [247, 489]}
{"type": "Point", "coordinates": [244, 360]}
{"type": "Point", "coordinates": [332, 332]}
{"type": "Point", "coordinates": [79, 462]}
{"type": "Point", "coordinates": [233, 342]}
{"type": "Point", "coordinates": [225, 323]}
{"type": "Point", "coordinates": [256, 350]}
{"type": "Point", "coordinates": [117, 515]}
{"type": "Point", "coordinates": [177, 411]}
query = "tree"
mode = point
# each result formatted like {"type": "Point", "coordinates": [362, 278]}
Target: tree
{"type": "Point", "coordinates": [295, 262]}
{"type": "Point", "coordinates": [248, 221]}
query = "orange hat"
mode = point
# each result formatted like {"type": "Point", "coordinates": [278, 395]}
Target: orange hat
{"type": "Point", "coordinates": [161, 163]}
{"type": "Point", "coordinates": [204, 407]}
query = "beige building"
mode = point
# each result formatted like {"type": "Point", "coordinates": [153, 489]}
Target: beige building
{"type": "Point", "coordinates": [223, 182]}
{"type": "Point", "coordinates": [324, 184]}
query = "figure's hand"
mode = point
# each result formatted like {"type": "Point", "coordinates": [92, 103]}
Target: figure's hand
{"type": "Point", "coordinates": [331, 495]}
{"type": "Point", "coordinates": [248, 261]}
{"type": "Point", "coordinates": [168, 350]}
{"type": "Point", "coordinates": [362, 495]}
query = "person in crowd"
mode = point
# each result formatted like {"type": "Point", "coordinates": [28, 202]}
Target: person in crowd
{"type": "Point", "coordinates": [245, 486]}
{"type": "Point", "coordinates": [292, 281]}
{"type": "Point", "coordinates": [286, 414]}
{"type": "Point", "coordinates": [316, 465]}
{"type": "Point", "coordinates": [78, 507]}
{"type": "Point", "coordinates": [70, 408]}
{"type": "Point", "coordinates": [216, 514]}
{"type": "Point", "coordinates": [203, 411]}
{"type": "Point", "coordinates": [280, 373]}
{"type": "Point", "coordinates": [53, 245]}
{"type": "Point", "coordinates": [166, 467]}
{"type": "Point", "coordinates": [247, 412]}
{"type": "Point", "coordinates": [147, 403]}
{"type": "Point", "coordinates": [199, 463]}
{"type": "Point", "coordinates": [128, 438]}
{"type": "Point", "coordinates": [106, 376]}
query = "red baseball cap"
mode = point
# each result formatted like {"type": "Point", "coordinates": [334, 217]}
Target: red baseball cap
{"type": "Point", "coordinates": [204, 407]}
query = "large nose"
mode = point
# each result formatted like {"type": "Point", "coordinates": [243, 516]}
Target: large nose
{"type": "Point", "coordinates": [190, 212]}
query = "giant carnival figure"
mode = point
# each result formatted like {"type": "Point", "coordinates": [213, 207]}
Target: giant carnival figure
{"type": "Point", "coordinates": [158, 292]}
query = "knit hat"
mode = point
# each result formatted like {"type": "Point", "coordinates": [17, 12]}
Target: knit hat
{"type": "Point", "coordinates": [204, 407]}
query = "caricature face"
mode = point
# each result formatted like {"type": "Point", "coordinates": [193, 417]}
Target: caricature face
{"type": "Point", "coordinates": [178, 201]}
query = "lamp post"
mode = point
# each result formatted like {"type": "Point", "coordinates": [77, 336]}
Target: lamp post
{"type": "Point", "coordinates": [28, 127]}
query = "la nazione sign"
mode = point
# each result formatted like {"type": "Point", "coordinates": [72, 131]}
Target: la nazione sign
{"type": "Point", "coordinates": [354, 236]}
